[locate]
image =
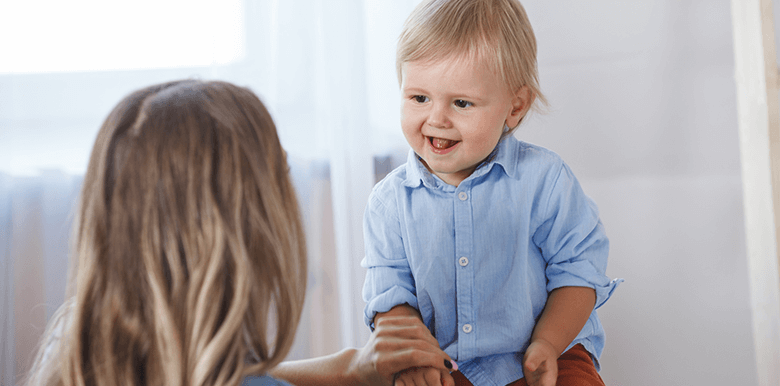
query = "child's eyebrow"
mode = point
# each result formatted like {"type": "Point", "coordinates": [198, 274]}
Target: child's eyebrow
{"type": "Point", "coordinates": [407, 90]}
{"type": "Point", "coordinates": [467, 95]}
{"type": "Point", "coordinates": [473, 97]}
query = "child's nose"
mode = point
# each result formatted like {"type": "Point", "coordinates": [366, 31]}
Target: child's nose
{"type": "Point", "coordinates": [438, 117]}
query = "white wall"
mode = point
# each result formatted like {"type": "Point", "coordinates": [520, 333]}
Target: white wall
{"type": "Point", "coordinates": [644, 110]}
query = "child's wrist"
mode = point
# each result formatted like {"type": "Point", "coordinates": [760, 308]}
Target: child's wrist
{"type": "Point", "coordinates": [547, 343]}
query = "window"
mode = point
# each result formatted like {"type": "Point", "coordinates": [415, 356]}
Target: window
{"type": "Point", "coordinates": [94, 35]}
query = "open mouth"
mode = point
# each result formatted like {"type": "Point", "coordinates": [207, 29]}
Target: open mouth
{"type": "Point", "coordinates": [441, 143]}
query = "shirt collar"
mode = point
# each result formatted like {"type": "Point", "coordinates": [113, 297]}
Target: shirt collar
{"type": "Point", "coordinates": [506, 155]}
{"type": "Point", "coordinates": [416, 172]}
{"type": "Point", "coordinates": [503, 155]}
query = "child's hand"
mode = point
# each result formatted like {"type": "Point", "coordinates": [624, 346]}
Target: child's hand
{"type": "Point", "coordinates": [540, 364]}
{"type": "Point", "coordinates": [424, 376]}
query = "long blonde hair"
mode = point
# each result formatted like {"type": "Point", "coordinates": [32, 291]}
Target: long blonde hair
{"type": "Point", "coordinates": [189, 246]}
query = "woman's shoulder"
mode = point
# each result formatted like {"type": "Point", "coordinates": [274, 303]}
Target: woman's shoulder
{"type": "Point", "coordinates": [263, 381]}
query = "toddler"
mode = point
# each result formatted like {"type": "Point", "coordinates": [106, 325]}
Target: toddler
{"type": "Point", "coordinates": [490, 240]}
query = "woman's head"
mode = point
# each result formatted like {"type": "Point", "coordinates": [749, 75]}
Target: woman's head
{"type": "Point", "coordinates": [189, 243]}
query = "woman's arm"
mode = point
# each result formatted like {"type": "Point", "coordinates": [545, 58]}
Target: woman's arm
{"type": "Point", "coordinates": [397, 343]}
{"type": "Point", "coordinates": [327, 370]}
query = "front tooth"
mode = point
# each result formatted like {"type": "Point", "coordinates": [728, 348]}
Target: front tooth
{"type": "Point", "coordinates": [441, 143]}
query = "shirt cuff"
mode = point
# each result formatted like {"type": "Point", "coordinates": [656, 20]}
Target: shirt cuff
{"type": "Point", "coordinates": [395, 295]}
{"type": "Point", "coordinates": [581, 274]}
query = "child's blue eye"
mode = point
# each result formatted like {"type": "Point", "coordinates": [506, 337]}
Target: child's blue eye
{"type": "Point", "coordinates": [420, 98]}
{"type": "Point", "coordinates": [462, 104]}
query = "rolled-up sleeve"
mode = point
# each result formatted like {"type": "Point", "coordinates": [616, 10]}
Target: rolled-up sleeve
{"type": "Point", "coordinates": [572, 239]}
{"type": "Point", "coordinates": [389, 281]}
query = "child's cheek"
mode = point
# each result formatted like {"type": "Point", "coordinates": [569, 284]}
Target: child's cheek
{"type": "Point", "coordinates": [408, 119]}
{"type": "Point", "coordinates": [411, 128]}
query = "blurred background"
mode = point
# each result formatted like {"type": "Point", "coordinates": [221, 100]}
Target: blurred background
{"type": "Point", "coordinates": [643, 108]}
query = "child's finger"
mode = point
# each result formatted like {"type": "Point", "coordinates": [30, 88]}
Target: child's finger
{"type": "Point", "coordinates": [426, 376]}
{"type": "Point", "coordinates": [431, 377]}
{"type": "Point", "coordinates": [446, 379]}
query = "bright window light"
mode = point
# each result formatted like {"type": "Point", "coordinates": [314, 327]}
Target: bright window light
{"type": "Point", "coordinates": [99, 35]}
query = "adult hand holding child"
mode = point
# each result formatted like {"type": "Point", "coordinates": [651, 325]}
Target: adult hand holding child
{"type": "Point", "coordinates": [433, 374]}
{"type": "Point", "coordinates": [397, 343]}
{"type": "Point", "coordinates": [401, 342]}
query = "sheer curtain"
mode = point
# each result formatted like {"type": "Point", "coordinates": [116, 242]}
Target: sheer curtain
{"type": "Point", "coordinates": [325, 69]}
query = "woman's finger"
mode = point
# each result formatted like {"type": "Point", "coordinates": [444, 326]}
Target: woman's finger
{"type": "Point", "coordinates": [391, 363]}
{"type": "Point", "coordinates": [404, 327]}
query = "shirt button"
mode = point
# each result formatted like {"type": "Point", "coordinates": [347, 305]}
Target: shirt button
{"type": "Point", "coordinates": [467, 328]}
{"type": "Point", "coordinates": [463, 261]}
{"type": "Point", "coordinates": [463, 196]}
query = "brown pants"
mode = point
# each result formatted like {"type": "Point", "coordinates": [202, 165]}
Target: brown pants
{"type": "Point", "coordinates": [575, 368]}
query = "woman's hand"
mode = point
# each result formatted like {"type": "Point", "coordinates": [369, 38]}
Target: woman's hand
{"type": "Point", "coordinates": [399, 343]}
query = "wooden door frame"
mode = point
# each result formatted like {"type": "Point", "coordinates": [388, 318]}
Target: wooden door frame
{"type": "Point", "coordinates": [756, 75]}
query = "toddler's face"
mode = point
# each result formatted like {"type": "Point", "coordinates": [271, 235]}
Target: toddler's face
{"type": "Point", "coordinates": [453, 113]}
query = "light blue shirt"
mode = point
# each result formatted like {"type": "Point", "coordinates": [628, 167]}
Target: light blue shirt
{"type": "Point", "coordinates": [479, 260]}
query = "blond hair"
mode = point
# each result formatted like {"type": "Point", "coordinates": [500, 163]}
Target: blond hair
{"type": "Point", "coordinates": [189, 245]}
{"type": "Point", "coordinates": [496, 31]}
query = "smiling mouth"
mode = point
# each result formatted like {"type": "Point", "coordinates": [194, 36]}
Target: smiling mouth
{"type": "Point", "coordinates": [441, 143]}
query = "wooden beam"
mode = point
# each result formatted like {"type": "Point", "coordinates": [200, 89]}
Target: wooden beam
{"type": "Point", "coordinates": [758, 111]}
{"type": "Point", "coordinates": [773, 109]}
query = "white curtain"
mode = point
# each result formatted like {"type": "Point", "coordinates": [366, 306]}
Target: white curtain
{"type": "Point", "coordinates": [325, 69]}
{"type": "Point", "coordinates": [36, 213]}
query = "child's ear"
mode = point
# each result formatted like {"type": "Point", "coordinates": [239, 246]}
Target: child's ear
{"type": "Point", "coordinates": [521, 102]}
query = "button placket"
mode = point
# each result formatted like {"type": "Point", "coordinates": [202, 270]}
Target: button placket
{"type": "Point", "coordinates": [464, 228]}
